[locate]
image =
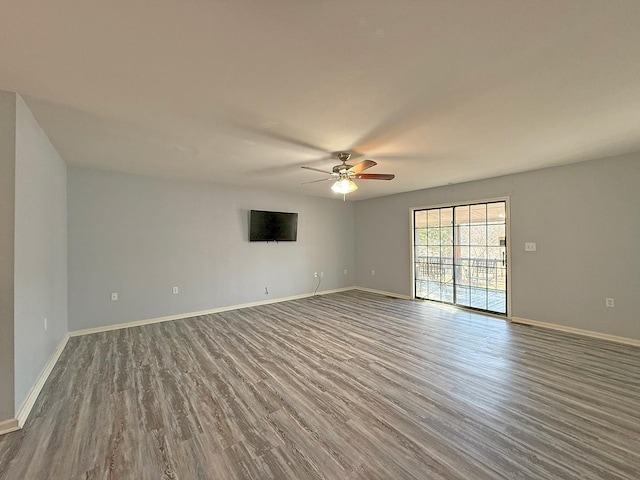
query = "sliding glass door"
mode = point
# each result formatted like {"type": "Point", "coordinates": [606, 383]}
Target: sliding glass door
{"type": "Point", "coordinates": [460, 255]}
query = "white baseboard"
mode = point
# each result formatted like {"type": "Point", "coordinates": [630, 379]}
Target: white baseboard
{"type": "Point", "coordinates": [27, 405]}
{"type": "Point", "coordinates": [9, 426]}
{"type": "Point", "coordinates": [577, 331]}
{"type": "Point", "coordinates": [382, 292]}
{"type": "Point", "coordinates": [525, 321]}
{"type": "Point", "coordinates": [179, 316]}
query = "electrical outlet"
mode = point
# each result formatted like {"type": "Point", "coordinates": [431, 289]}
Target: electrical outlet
{"type": "Point", "coordinates": [529, 246]}
{"type": "Point", "coordinates": [373, 272]}
{"type": "Point", "coordinates": [609, 302]}
{"type": "Point", "coordinates": [321, 274]}
{"type": "Point", "coordinates": [175, 290]}
{"type": "Point", "coordinates": [45, 323]}
{"type": "Point", "coordinates": [345, 271]}
{"type": "Point", "coordinates": [315, 274]}
{"type": "Point", "coordinates": [114, 296]}
{"type": "Point", "coordinates": [266, 291]}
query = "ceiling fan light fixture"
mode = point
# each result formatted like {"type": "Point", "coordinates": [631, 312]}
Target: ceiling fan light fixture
{"type": "Point", "coordinates": [344, 186]}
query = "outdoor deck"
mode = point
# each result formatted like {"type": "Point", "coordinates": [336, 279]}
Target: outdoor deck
{"type": "Point", "coordinates": [492, 300]}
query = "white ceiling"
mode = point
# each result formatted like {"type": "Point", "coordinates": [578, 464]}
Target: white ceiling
{"type": "Point", "coordinates": [246, 91]}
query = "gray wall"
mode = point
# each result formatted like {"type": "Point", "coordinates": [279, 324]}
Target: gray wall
{"type": "Point", "coordinates": [40, 251]}
{"type": "Point", "coordinates": [7, 212]}
{"type": "Point", "coordinates": [140, 236]}
{"type": "Point", "coordinates": [584, 218]}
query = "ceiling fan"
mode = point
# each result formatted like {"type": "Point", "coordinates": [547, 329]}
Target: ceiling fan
{"type": "Point", "coordinates": [345, 174]}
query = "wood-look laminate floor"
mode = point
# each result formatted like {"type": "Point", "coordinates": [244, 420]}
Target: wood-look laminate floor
{"type": "Point", "coordinates": [346, 386]}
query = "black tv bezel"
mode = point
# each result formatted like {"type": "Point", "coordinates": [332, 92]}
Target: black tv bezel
{"type": "Point", "coordinates": [261, 238]}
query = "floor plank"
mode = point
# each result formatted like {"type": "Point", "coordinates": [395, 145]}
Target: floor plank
{"type": "Point", "coordinates": [351, 385]}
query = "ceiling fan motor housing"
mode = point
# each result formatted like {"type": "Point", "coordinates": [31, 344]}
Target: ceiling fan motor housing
{"type": "Point", "coordinates": [343, 157]}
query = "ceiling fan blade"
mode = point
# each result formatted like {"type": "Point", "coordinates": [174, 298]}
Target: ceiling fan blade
{"type": "Point", "coordinates": [363, 165]}
{"type": "Point", "coordinates": [375, 176]}
{"type": "Point", "coordinates": [316, 170]}
{"type": "Point", "coordinates": [316, 181]}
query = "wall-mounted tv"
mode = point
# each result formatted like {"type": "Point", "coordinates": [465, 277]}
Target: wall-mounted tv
{"type": "Point", "coordinates": [267, 226]}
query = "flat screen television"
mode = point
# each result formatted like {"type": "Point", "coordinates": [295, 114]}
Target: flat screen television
{"type": "Point", "coordinates": [267, 226]}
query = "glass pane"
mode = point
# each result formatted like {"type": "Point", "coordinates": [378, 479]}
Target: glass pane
{"type": "Point", "coordinates": [420, 253]}
{"type": "Point", "coordinates": [479, 298]}
{"type": "Point", "coordinates": [478, 235]}
{"type": "Point", "coordinates": [478, 253]}
{"type": "Point", "coordinates": [420, 219]}
{"type": "Point", "coordinates": [420, 237]}
{"type": "Point", "coordinates": [461, 234]}
{"type": "Point", "coordinates": [497, 301]}
{"type": "Point", "coordinates": [477, 273]}
{"type": "Point", "coordinates": [463, 296]}
{"type": "Point", "coordinates": [461, 215]}
{"type": "Point", "coordinates": [462, 274]}
{"type": "Point", "coordinates": [447, 293]}
{"type": "Point", "coordinates": [495, 233]}
{"type": "Point", "coordinates": [446, 254]}
{"type": "Point", "coordinates": [433, 235]}
{"type": "Point", "coordinates": [433, 291]}
{"type": "Point", "coordinates": [434, 217]}
{"type": "Point", "coordinates": [447, 274]}
{"type": "Point", "coordinates": [446, 217]}
{"type": "Point", "coordinates": [496, 212]}
{"type": "Point", "coordinates": [433, 270]}
{"type": "Point", "coordinates": [478, 213]}
{"type": "Point", "coordinates": [421, 271]}
{"type": "Point", "coordinates": [446, 235]}
{"type": "Point", "coordinates": [421, 289]}
{"type": "Point", "coordinates": [495, 253]}
{"type": "Point", "coordinates": [501, 279]}
{"type": "Point", "coordinates": [492, 278]}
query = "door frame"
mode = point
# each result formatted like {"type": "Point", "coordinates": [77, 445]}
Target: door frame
{"type": "Point", "coordinates": [505, 199]}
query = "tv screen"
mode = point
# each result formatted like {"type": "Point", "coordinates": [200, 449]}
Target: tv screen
{"type": "Point", "coordinates": [273, 226]}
